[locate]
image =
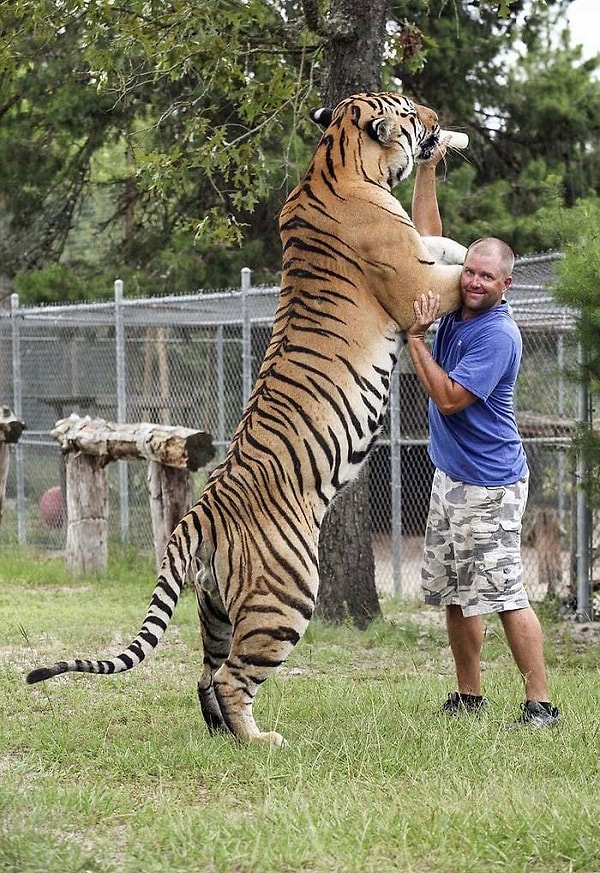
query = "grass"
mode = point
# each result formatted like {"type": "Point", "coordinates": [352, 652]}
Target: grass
{"type": "Point", "coordinates": [118, 774]}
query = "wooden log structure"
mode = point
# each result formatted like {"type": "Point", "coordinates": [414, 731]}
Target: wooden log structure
{"type": "Point", "coordinates": [11, 429]}
{"type": "Point", "coordinates": [88, 445]}
{"type": "Point", "coordinates": [548, 537]}
{"type": "Point", "coordinates": [166, 444]}
{"type": "Point", "coordinates": [535, 426]}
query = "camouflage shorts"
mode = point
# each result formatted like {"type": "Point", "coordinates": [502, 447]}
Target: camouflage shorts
{"type": "Point", "coordinates": [472, 553]}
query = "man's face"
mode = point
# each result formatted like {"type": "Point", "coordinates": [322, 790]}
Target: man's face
{"type": "Point", "coordinates": [482, 282]}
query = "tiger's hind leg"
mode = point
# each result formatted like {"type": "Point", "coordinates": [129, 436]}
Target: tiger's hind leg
{"type": "Point", "coordinates": [263, 639]}
{"type": "Point", "coordinates": [215, 629]}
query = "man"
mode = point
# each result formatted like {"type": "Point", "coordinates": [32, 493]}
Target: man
{"type": "Point", "coordinates": [472, 561]}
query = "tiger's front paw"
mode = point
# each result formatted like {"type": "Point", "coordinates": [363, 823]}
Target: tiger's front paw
{"type": "Point", "coordinates": [445, 250]}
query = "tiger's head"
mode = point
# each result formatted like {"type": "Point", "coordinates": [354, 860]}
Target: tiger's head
{"type": "Point", "coordinates": [391, 132]}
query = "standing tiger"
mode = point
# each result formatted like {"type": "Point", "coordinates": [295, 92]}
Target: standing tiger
{"type": "Point", "coordinates": [352, 265]}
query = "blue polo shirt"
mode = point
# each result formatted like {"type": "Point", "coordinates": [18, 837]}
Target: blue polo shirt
{"type": "Point", "coordinates": [479, 445]}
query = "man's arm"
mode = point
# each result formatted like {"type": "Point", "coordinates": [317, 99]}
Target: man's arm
{"type": "Point", "coordinates": [448, 396]}
{"type": "Point", "coordinates": [425, 211]}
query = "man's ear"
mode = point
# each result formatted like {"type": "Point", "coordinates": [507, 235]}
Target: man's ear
{"type": "Point", "coordinates": [381, 130]}
{"type": "Point", "coordinates": [322, 116]}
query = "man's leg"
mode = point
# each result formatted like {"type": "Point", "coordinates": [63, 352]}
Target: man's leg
{"type": "Point", "coordinates": [524, 636]}
{"type": "Point", "coordinates": [466, 640]}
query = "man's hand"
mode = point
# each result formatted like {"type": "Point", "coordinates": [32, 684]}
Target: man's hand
{"type": "Point", "coordinates": [426, 308]}
{"type": "Point", "coordinates": [439, 153]}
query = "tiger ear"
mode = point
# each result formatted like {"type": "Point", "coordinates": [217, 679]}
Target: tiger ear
{"type": "Point", "coordinates": [322, 116]}
{"type": "Point", "coordinates": [381, 130]}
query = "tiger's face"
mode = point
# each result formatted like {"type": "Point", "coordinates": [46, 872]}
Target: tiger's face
{"type": "Point", "coordinates": [391, 132]}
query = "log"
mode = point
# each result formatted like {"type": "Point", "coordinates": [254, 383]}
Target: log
{"type": "Point", "coordinates": [532, 425]}
{"type": "Point", "coordinates": [11, 429]}
{"type": "Point", "coordinates": [170, 492]}
{"type": "Point", "coordinates": [4, 465]}
{"type": "Point", "coordinates": [87, 514]}
{"type": "Point", "coordinates": [174, 446]}
{"type": "Point", "coordinates": [549, 553]}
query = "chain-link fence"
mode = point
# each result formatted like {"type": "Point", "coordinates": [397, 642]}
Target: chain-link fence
{"type": "Point", "coordinates": [191, 361]}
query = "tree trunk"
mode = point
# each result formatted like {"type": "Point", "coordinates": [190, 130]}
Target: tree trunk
{"type": "Point", "coordinates": [354, 35]}
{"type": "Point", "coordinates": [347, 564]}
{"type": "Point", "coordinates": [354, 47]}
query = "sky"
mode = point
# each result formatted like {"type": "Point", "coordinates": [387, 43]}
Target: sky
{"type": "Point", "coordinates": [583, 18]}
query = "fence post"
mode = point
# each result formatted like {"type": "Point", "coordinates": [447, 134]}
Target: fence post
{"type": "Point", "coordinates": [396, 480]}
{"type": "Point", "coordinates": [246, 338]}
{"type": "Point", "coordinates": [561, 412]}
{"type": "Point", "coordinates": [18, 411]}
{"type": "Point", "coordinates": [220, 363]}
{"type": "Point", "coordinates": [121, 405]}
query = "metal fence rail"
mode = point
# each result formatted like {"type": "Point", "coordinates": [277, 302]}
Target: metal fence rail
{"type": "Point", "coordinates": [191, 360]}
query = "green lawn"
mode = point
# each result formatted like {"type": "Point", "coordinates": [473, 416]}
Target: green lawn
{"type": "Point", "coordinates": [110, 774]}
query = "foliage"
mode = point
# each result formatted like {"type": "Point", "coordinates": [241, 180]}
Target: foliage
{"type": "Point", "coordinates": [579, 286]}
{"type": "Point", "coordinates": [53, 121]}
{"type": "Point", "coordinates": [119, 774]}
{"type": "Point", "coordinates": [537, 129]}
{"type": "Point", "coordinates": [159, 140]}
{"type": "Point", "coordinates": [177, 101]}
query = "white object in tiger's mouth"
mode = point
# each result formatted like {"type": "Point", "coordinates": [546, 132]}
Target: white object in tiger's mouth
{"type": "Point", "coordinates": [457, 140]}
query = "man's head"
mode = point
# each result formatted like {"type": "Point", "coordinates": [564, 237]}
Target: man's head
{"type": "Point", "coordinates": [486, 275]}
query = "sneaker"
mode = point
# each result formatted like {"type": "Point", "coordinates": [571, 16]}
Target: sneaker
{"type": "Point", "coordinates": [461, 704]}
{"type": "Point", "coordinates": [538, 715]}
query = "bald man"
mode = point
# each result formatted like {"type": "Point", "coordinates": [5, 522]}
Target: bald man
{"type": "Point", "coordinates": [472, 554]}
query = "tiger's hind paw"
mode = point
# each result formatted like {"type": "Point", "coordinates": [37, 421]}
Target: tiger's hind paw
{"type": "Point", "coordinates": [211, 711]}
{"type": "Point", "coordinates": [271, 737]}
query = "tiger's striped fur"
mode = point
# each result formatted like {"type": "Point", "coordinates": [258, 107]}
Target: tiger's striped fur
{"type": "Point", "coordinates": [352, 265]}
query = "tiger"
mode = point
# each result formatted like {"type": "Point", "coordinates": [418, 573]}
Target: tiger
{"type": "Point", "coordinates": [352, 265]}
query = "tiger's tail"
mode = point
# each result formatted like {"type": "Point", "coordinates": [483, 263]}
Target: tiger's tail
{"type": "Point", "coordinates": [176, 561]}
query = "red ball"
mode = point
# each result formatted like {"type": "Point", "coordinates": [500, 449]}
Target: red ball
{"type": "Point", "coordinates": [52, 509]}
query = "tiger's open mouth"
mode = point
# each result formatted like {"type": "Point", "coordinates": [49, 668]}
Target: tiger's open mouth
{"type": "Point", "coordinates": [428, 147]}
